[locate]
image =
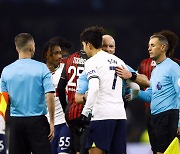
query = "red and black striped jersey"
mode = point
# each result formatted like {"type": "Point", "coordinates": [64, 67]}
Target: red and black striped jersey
{"type": "Point", "coordinates": [71, 72]}
{"type": "Point", "coordinates": [146, 66]}
{"type": "Point", "coordinates": [63, 60]}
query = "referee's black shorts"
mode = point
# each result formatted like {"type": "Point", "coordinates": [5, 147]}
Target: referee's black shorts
{"type": "Point", "coordinates": [164, 129]}
{"type": "Point", "coordinates": [29, 134]}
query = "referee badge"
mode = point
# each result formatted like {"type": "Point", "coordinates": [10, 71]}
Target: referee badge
{"type": "Point", "coordinates": [159, 86]}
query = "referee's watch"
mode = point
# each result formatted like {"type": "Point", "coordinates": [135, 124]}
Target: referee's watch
{"type": "Point", "coordinates": [134, 76]}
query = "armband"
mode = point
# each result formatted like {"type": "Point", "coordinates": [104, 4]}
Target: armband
{"type": "Point", "coordinates": [134, 76]}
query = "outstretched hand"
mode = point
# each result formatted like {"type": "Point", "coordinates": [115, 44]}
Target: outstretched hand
{"type": "Point", "coordinates": [123, 73]}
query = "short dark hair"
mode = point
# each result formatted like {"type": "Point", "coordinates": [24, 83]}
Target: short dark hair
{"type": "Point", "coordinates": [93, 35]}
{"type": "Point", "coordinates": [161, 38]}
{"type": "Point", "coordinates": [22, 39]}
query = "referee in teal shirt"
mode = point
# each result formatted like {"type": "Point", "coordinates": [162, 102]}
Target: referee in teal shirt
{"type": "Point", "coordinates": [31, 90]}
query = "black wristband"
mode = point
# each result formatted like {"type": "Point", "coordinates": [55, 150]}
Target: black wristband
{"type": "Point", "coordinates": [134, 76]}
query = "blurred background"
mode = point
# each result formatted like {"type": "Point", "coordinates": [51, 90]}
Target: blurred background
{"type": "Point", "coordinates": [130, 22]}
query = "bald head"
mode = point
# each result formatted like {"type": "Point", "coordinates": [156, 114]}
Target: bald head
{"type": "Point", "coordinates": [108, 44]}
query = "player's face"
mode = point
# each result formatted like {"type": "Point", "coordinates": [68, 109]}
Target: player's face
{"type": "Point", "coordinates": [54, 56]}
{"type": "Point", "coordinates": [155, 48]}
{"type": "Point", "coordinates": [108, 45]}
{"type": "Point", "coordinates": [86, 49]}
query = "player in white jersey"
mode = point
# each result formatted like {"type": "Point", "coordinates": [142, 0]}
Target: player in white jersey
{"type": "Point", "coordinates": [108, 45]}
{"type": "Point", "coordinates": [107, 131]}
{"type": "Point", "coordinates": [101, 68]}
{"type": "Point", "coordinates": [61, 141]}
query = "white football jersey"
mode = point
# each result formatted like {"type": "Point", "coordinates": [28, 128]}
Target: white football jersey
{"type": "Point", "coordinates": [108, 102]}
{"type": "Point", "coordinates": [59, 117]}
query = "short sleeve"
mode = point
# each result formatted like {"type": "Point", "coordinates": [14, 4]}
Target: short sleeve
{"type": "Point", "coordinates": [47, 80]}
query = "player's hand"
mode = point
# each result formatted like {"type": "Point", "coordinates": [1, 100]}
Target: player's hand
{"type": "Point", "coordinates": [83, 120]}
{"type": "Point", "coordinates": [79, 126]}
{"type": "Point", "coordinates": [51, 134]}
{"type": "Point", "coordinates": [67, 124]}
{"type": "Point", "coordinates": [85, 95]}
{"type": "Point", "coordinates": [123, 73]}
{"type": "Point", "coordinates": [128, 97]}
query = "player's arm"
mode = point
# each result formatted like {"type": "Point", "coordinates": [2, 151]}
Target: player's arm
{"type": "Point", "coordinates": [142, 95]}
{"type": "Point", "coordinates": [92, 95]}
{"type": "Point", "coordinates": [51, 109]}
{"type": "Point", "coordinates": [49, 93]}
{"type": "Point", "coordinates": [81, 89]}
{"type": "Point", "coordinates": [81, 98]}
{"type": "Point", "coordinates": [140, 79]}
{"type": "Point", "coordinates": [175, 73]}
{"type": "Point", "coordinates": [146, 95]}
{"type": "Point", "coordinates": [132, 85]}
{"type": "Point", "coordinates": [93, 88]}
{"type": "Point", "coordinates": [61, 89]}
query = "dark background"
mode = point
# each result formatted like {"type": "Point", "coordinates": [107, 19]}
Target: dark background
{"type": "Point", "coordinates": [130, 22]}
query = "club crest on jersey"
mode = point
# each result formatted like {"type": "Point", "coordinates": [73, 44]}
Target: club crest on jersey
{"type": "Point", "coordinates": [91, 72]}
{"type": "Point", "coordinates": [159, 86]}
{"type": "Point", "coordinates": [153, 63]}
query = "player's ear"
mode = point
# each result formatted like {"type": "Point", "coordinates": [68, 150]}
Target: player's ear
{"type": "Point", "coordinates": [90, 46]}
{"type": "Point", "coordinates": [163, 47]}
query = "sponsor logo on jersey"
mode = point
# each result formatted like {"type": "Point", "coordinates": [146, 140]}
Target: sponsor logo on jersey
{"type": "Point", "coordinates": [63, 148]}
{"type": "Point", "coordinates": [79, 60]}
{"type": "Point", "coordinates": [159, 86]}
{"type": "Point", "coordinates": [91, 72]}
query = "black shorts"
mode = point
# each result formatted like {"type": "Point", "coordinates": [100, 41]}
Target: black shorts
{"type": "Point", "coordinates": [29, 134]}
{"type": "Point", "coordinates": [164, 129]}
{"type": "Point", "coordinates": [108, 135]}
